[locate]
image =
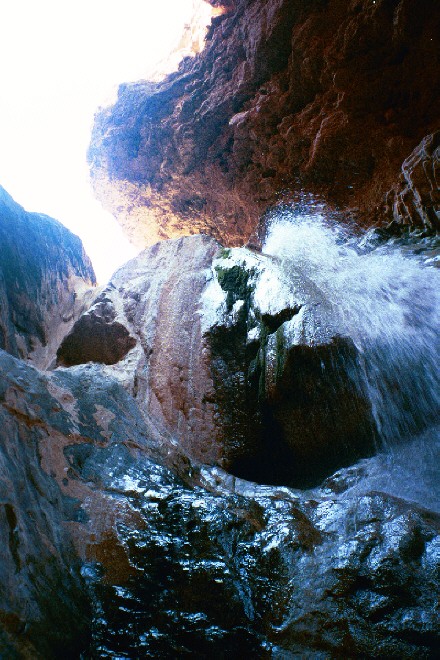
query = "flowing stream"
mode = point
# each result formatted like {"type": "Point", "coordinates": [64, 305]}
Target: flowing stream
{"type": "Point", "coordinates": [387, 299]}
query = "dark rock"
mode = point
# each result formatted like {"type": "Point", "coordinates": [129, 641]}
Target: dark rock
{"type": "Point", "coordinates": [206, 565]}
{"type": "Point", "coordinates": [63, 436]}
{"type": "Point", "coordinates": [44, 607]}
{"type": "Point", "coordinates": [45, 278]}
{"type": "Point", "coordinates": [328, 97]}
{"type": "Point", "coordinates": [415, 200]}
{"type": "Point", "coordinates": [97, 337]}
{"type": "Point", "coordinates": [238, 569]}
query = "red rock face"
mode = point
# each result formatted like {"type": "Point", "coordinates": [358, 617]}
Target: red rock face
{"type": "Point", "coordinates": [327, 97]}
{"type": "Point", "coordinates": [415, 199]}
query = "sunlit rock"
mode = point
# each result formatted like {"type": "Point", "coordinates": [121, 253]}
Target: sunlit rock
{"type": "Point", "coordinates": [242, 367]}
{"type": "Point", "coordinates": [329, 97]}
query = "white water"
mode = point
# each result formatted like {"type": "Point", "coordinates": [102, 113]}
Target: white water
{"type": "Point", "coordinates": [387, 301]}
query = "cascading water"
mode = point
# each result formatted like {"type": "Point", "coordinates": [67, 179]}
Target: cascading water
{"type": "Point", "coordinates": [388, 301]}
{"type": "Point", "coordinates": [214, 564]}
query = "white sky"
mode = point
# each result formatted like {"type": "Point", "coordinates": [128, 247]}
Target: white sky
{"type": "Point", "coordinates": [60, 60]}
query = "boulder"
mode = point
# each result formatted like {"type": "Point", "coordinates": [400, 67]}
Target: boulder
{"type": "Point", "coordinates": [242, 368]}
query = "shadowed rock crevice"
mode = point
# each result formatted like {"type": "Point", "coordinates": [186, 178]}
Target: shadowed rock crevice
{"type": "Point", "coordinates": [95, 340]}
{"type": "Point", "coordinates": [13, 535]}
{"type": "Point", "coordinates": [315, 414]}
{"type": "Point", "coordinates": [303, 410]}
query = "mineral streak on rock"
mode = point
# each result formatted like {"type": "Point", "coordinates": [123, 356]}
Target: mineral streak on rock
{"type": "Point", "coordinates": [45, 282]}
{"type": "Point", "coordinates": [225, 356]}
{"type": "Point", "coordinates": [329, 97]}
{"type": "Point", "coordinates": [415, 200]}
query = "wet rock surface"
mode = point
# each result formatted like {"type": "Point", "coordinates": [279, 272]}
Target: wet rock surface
{"type": "Point", "coordinates": [237, 569]}
{"type": "Point", "coordinates": [245, 371]}
{"type": "Point", "coordinates": [45, 279]}
{"type": "Point", "coordinates": [56, 427]}
{"type": "Point", "coordinates": [120, 538]}
{"type": "Point", "coordinates": [200, 563]}
{"type": "Point", "coordinates": [329, 97]}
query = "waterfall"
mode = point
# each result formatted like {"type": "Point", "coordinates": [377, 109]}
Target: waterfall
{"type": "Point", "coordinates": [387, 299]}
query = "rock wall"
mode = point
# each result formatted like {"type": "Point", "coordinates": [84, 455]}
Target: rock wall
{"type": "Point", "coordinates": [45, 282]}
{"type": "Point", "coordinates": [44, 609]}
{"type": "Point", "coordinates": [121, 532]}
{"type": "Point", "coordinates": [207, 564]}
{"type": "Point", "coordinates": [117, 537]}
{"type": "Point", "coordinates": [326, 97]}
{"type": "Point", "coordinates": [228, 359]}
{"type": "Point", "coordinates": [415, 199]}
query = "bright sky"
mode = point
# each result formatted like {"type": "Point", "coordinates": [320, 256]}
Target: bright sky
{"type": "Point", "coordinates": [60, 60]}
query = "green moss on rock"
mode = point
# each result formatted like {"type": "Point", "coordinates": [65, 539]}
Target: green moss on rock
{"type": "Point", "coordinates": [235, 281]}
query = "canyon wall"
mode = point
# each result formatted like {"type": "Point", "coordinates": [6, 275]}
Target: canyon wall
{"type": "Point", "coordinates": [123, 534]}
{"type": "Point", "coordinates": [186, 454]}
{"type": "Point", "coordinates": [46, 280]}
{"type": "Point", "coordinates": [326, 97]}
{"type": "Point", "coordinates": [243, 369]}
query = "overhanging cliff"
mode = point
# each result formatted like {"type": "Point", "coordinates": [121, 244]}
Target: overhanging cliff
{"type": "Point", "coordinates": [327, 97]}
